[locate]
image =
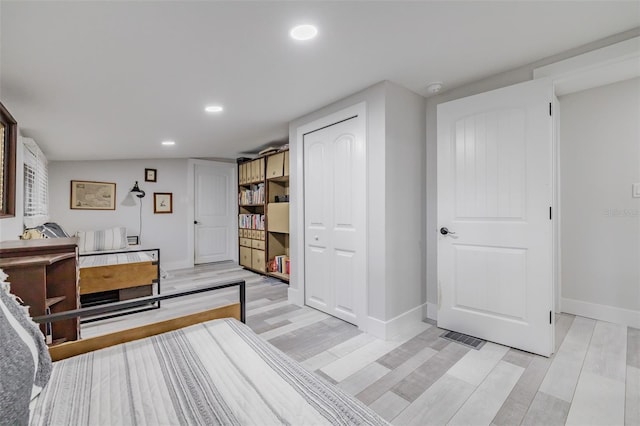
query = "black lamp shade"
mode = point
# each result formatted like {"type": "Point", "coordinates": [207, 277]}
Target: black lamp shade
{"type": "Point", "coordinates": [136, 189]}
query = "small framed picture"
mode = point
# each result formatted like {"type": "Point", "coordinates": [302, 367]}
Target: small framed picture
{"type": "Point", "coordinates": [88, 195]}
{"type": "Point", "coordinates": [163, 202]}
{"type": "Point", "coordinates": [150, 175]}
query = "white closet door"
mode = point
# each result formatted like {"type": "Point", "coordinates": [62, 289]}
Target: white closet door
{"type": "Point", "coordinates": [334, 200]}
{"type": "Point", "coordinates": [494, 197]}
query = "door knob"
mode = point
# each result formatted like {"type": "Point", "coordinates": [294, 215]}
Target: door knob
{"type": "Point", "coordinates": [315, 238]}
{"type": "Point", "coordinates": [445, 231]}
{"type": "Point", "coordinates": [195, 222]}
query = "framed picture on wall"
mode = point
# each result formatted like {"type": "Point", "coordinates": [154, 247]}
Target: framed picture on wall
{"type": "Point", "coordinates": [150, 175]}
{"type": "Point", "coordinates": [89, 195]}
{"type": "Point", "coordinates": [163, 202]}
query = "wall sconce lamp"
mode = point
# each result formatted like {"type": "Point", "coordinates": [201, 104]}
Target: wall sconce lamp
{"type": "Point", "coordinates": [139, 192]}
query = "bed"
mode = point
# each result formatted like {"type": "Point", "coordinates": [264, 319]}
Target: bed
{"type": "Point", "coordinates": [110, 269]}
{"type": "Point", "coordinates": [110, 276]}
{"type": "Point", "coordinates": [214, 372]}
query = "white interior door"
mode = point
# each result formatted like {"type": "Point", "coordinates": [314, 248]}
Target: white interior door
{"type": "Point", "coordinates": [334, 205]}
{"type": "Point", "coordinates": [215, 224]}
{"type": "Point", "coordinates": [495, 190]}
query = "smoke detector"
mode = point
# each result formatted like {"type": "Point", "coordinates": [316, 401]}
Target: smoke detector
{"type": "Point", "coordinates": [435, 87]}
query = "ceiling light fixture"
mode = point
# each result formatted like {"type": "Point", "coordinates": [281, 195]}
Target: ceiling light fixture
{"type": "Point", "coordinates": [303, 32]}
{"type": "Point", "coordinates": [168, 143]}
{"type": "Point", "coordinates": [213, 108]}
{"type": "Point", "coordinates": [435, 87]}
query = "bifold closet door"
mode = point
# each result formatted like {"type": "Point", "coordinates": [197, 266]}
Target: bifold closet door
{"type": "Point", "coordinates": [334, 203]}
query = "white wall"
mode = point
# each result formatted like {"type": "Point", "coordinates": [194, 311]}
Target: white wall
{"type": "Point", "coordinates": [600, 229]}
{"type": "Point", "coordinates": [395, 211]}
{"type": "Point", "coordinates": [374, 99]}
{"type": "Point", "coordinates": [169, 232]}
{"type": "Point", "coordinates": [405, 210]}
{"type": "Point", "coordinates": [497, 81]}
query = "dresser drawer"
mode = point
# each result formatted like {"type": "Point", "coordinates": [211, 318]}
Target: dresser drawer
{"type": "Point", "coordinates": [257, 260]}
{"type": "Point", "coordinates": [245, 256]}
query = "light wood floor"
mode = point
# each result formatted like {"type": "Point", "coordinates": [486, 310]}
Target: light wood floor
{"type": "Point", "coordinates": [421, 379]}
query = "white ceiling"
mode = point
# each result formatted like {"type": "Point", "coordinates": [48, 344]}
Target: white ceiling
{"type": "Point", "coordinates": [111, 80]}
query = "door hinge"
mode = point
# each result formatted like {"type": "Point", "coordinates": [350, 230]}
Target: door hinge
{"type": "Point", "coordinates": [550, 313]}
{"type": "Point", "coordinates": [551, 115]}
{"type": "Point", "coordinates": [550, 215]}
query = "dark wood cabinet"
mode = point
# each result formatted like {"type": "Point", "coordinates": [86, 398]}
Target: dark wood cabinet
{"type": "Point", "coordinates": [44, 274]}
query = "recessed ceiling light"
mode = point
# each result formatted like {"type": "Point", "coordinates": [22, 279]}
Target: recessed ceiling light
{"type": "Point", "coordinates": [213, 108]}
{"type": "Point", "coordinates": [303, 32]}
{"type": "Point", "coordinates": [168, 143]}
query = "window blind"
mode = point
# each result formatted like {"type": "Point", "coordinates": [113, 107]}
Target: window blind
{"type": "Point", "coordinates": [36, 183]}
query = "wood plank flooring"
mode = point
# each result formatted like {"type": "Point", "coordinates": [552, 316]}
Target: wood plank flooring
{"type": "Point", "coordinates": [419, 378]}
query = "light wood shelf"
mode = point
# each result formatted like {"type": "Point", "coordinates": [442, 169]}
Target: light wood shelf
{"type": "Point", "coordinates": [273, 173]}
{"type": "Point", "coordinates": [279, 275]}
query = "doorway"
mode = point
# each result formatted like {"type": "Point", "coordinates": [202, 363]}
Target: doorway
{"type": "Point", "coordinates": [495, 264]}
{"type": "Point", "coordinates": [612, 64]}
{"type": "Point", "coordinates": [335, 218]}
{"type": "Point", "coordinates": [599, 165]}
{"type": "Point", "coordinates": [214, 224]}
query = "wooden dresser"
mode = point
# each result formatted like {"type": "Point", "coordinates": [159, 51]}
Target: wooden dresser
{"type": "Point", "coordinates": [44, 274]}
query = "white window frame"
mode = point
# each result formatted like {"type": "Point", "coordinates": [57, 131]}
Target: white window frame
{"type": "Point", "coordinates": [36, 185]}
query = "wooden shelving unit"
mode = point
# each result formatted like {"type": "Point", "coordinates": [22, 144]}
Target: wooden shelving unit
{"type": "Point", "coordinates": [44, 274]}
{"type": "Point", "coordinates": [251, 211]}
{"type": "Point", "coordinates": [266, 180]}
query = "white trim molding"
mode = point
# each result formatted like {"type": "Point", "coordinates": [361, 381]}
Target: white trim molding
{"type": "Point", "coordinates": [386, 330]}
{"type": "Point", "coordinates": [618, 62]}
{"type": "Point", "coordinates": [627, 317]}
{"type": "Point", "coordinates": [432, 311]}
{"type": "Point", "coordinates": [191, 167]}
{"type": "Point", "coordinates": [295, 296]}
{"type": "Point", "coordinates": [180, 264]}
{"type": "Point", "coordinates": [296, 293]}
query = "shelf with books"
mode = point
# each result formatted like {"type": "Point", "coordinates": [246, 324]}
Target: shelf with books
{"type": "Point", "coordinates": [253, 195]}
{"type": "Point", "coordinates": [279, 264]}
{"type": "Point", "coordinates": [263, 214]}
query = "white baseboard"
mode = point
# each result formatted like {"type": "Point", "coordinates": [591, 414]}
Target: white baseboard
{"type": "Point", "coordinates": [387, 329]}
{"type": "Point", "coordinates": [432, 311]}
{"type": "Point", "coordinates": [172, 266]}
{"type": "Point", "coordinates": [295, 296]}
{"type": "Point", "coordinates": [627, 317]}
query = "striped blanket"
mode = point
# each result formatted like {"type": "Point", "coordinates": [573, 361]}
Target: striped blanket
{"type": "Point", "coordinates": [116, 259]}
{"type": "Point", "coordinates": [215, 373]}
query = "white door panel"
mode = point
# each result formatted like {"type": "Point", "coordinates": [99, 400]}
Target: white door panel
{"type": "Point", "coordinates": [494, 192]}
{"type": "Point", "coordinates": [215, 226]}
{"type": "Point", "coordinates": [334, 188]}
{"type": "Point", "coordinates": [345, 269]}
{"type": "Point", "coordinates": [213, 241]}
{"type": "Point", "coordinates": [318, 275]}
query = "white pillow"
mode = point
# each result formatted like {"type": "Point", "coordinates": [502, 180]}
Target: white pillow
{"type": "Point", "coordinates": [105, 239]}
